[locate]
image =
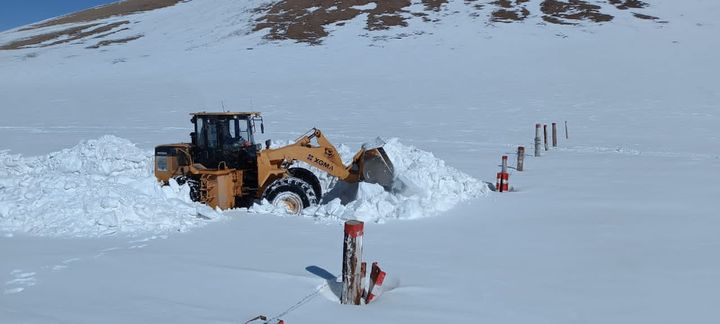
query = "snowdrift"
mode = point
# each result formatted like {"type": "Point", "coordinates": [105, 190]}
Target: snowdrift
{"type": "Point", "coordinates": [99, 187]}
{"type": "Point", "coordinates": [106, 186]}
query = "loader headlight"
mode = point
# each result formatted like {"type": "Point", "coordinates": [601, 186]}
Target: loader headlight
{"type": "Point", "coordinates": [161, 163]}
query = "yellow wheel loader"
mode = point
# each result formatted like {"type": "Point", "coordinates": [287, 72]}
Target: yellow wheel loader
{"type": "Point", "coordinates": [225, 168]}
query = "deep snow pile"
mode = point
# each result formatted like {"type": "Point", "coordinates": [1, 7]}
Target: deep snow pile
{"type": "Point", "coordinates": [98, 187]}
{"type": "Point", "coordinates": [106, 186]}
{"type": "Point", "coordinates": [424, 186]}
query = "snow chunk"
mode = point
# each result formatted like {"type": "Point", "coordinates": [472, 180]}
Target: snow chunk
{"type": "Point", "coordinates": [99, 187]}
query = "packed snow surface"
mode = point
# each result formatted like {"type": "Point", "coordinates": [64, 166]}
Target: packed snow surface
{"type": "Point", "coordinates": [106, 186]}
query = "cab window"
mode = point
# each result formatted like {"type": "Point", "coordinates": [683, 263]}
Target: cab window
{"type": "Point", "coordinates": [200, 131]}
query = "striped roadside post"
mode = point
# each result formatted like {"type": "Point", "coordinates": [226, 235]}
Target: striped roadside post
{"type": "Point", "coordinates": [503, 177]}
{"type": "Point", "coordinates": [377, 277]}
{"type": "Point", "coordinates": [352, 263]}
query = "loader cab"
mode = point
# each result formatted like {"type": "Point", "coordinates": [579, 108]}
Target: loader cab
{"type": "Point", "coordinates": [225, 139]}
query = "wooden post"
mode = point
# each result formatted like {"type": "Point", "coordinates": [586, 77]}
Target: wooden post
{"type": "Point", "coordinates": [554, 134]}
{"type": "Point", "coordinates": [537, 140]}
{"type": "Point", "coordinates": [363, 273]}
{"type": "Point", "coordinates": [504, 163]}
{"type": "Point", "coordinates": [566, 134]}
{"type": "Point", "coordinates": [520, 158]}
{"type": "Point", "coordinates": [545, 136]}
{"type": "Point", "coordinates": [352, 263]}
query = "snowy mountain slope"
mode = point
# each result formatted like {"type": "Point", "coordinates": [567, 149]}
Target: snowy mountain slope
{"type": "Point", "coordinates": [302, 21]}
{"type": "Point", "coordinates": [208, 66]}
{"type": "Point", "coordinates": [616, 225]}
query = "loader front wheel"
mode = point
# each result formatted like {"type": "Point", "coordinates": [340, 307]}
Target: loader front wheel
{"type": "Point", "coordinates": [193, 184]}
{"type": "Point", "coordinates": [309, 177]}
{"type": "Point", "coordinates": [292, 194]}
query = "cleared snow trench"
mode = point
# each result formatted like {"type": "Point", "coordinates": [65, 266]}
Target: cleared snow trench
{"type": "Point", "coordinates": [106, 186]}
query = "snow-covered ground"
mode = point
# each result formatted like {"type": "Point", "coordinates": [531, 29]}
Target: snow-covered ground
{"type": "Point", "coordinates": [617, 225]}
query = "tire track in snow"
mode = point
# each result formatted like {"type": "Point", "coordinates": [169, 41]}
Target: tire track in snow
{"type": "Point", "coordinates": [24, 279]}
{"type": "Point", "coordinates": [628, 151]}
{"type": "Point", "coordinates": [21, 281]}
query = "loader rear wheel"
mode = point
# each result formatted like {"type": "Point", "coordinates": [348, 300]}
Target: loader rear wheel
{"type": "Point", "coordinates": [293, 194]}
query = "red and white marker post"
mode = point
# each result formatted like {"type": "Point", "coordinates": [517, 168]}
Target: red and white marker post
{"type": "Point", "coordinates": [377, 277]}
{"type": "Point", "coordinates": [503, 177]}
{"type": "Point", "coordinates": [352, 290]}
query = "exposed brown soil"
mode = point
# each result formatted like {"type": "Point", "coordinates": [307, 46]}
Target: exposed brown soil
{"type": "Point", "coordinates": [110, 33]}
{"type": "Point", "coordinates": [305, 20]}
{"type": "Point", "coordinates": [647, 17]}
{"type": "Point", "coordinates": [567, 12]}
{"type": "Point", "coordinates": [114, 9]}
{"type": "Point", "coordinates": [22, 43]}
{"type": "Point", "coordinates": [434, 5]}
{"type": "Point", "coordinates": [509, 11]}
{"type": "Point", "coordinates": [627, 4]}
{"type": "Point", "coordinates": [115, 41]}
{"type": "Point", "coordinates": [474, 4]}
{"type": "Point", "coordinates": [561, 12]}
{"type": "Point", "coordinates": [63, 36]}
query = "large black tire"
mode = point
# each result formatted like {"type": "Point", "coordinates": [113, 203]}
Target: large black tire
{"type": "Point", "coordinates": [193, 184]}
{"type": "Point", "coordinates": [293, 193]}
{"type": "Point", "coordinates": [308, 177]}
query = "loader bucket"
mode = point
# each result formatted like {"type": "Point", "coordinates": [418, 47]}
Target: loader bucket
{"type": "Point", "coordinates": [377, 168]}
